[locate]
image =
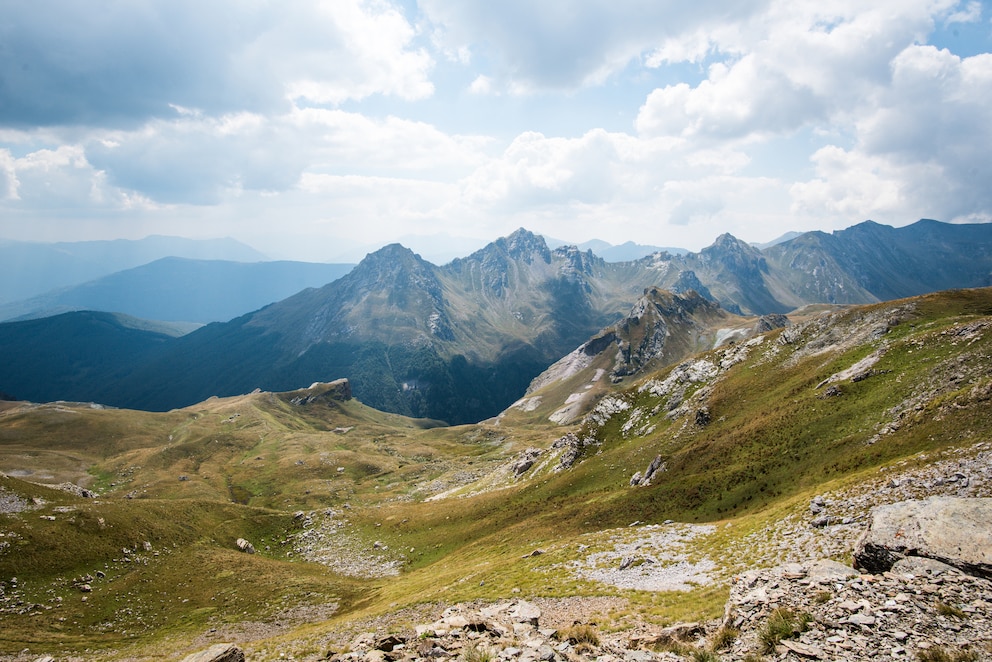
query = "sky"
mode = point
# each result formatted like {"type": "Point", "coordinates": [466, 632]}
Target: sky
{"type": "Point", "coordinates": [321, 129]}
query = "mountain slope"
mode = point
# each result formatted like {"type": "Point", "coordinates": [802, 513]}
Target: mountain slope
{"type": "Point", "coordinates": [462, 341]}
{"type": "Point", "coordinates": [877, 262]}
{"type": "Point", "coordinates": [771, 450]}
{"type": "Point", "coordinates": [71, 353]}
{"type": "Point", "coordinates": [181, 289]}
{"type": "Point", "coordinates": [661, 329]}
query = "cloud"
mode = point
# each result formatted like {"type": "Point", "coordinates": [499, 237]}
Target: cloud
{"type": "Point", "coordinates": [8, 176]}
{"type": "Point", "coordinates": [69, 63]}
{"type": "Point", "coordinates": [796, 65]}
{"type": "Point", "coordinates": [562, 45]}
{"type": "Point", "coordinates": [658, 121]}
{"type": "Point", "coordinates": [199, 160]}
{"type": "Point", "coordinates": [922, 150]}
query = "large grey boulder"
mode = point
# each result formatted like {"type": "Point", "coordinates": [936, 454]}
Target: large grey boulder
{"type": "Point", "coordinates": [955, 531]}
{"type": "Point", "coordinates": [217, 653]}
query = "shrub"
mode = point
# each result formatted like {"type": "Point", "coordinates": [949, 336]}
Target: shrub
{"type": "Point", "coordinates": [783, 623]}
{"type": "Point", "coordinates": [938, 654]}
{"type": "Point", "coordinates": [475, 653]}
{"type": "Point", "coordinates": [581, 634]}
{"type": "Point", "coordinates": [945, 609]}
{"type": "Point", "coordinates": [724, 637]}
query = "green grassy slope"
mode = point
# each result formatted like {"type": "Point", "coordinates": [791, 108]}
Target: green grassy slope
{"type": "Point", "coordinates": [748, 433]}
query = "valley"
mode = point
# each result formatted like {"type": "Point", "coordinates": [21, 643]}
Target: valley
{"type": "Point", "coordinates": [754, 442]}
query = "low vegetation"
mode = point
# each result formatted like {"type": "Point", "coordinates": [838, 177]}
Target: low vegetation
{"type": "Point", "coordinates": [347, 512]}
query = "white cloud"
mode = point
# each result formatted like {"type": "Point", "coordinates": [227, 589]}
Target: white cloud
{"type": "Point", "coordinates": [970, 14]}
{"type": "Point", "coordinates": [482, 85]}
{"type": "Point", "coordinates": [66, 64]}
{"type": "Point", "coordinates": [796, 65]}
{"type": "Point", "coordinates": [199, 159]}
{"type": "Point", "coordinates": [559, 44]}
{"type": "Point", "coordinates": [8, 176]}
{"type": "Point", "coordinates": [375, 40]}
{"type": "Point", "coordinates": [922, 151]}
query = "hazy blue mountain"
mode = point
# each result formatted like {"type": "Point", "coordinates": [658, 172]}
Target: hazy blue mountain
{"type": "Point", "coordinates": [31, 268]}
{"type": "Point", "coordinates": [778, 240]}
{"type": "Point", "coordinates": [181, 289]}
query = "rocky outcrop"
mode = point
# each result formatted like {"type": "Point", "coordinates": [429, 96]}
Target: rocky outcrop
{"type": "Point", "coordinates": [339, 390]}
{"type": "Point", "coordinates": [689, 282]}
{"type": "Point", "coordinates": [955, 531]}
{"type": "Point", "coordinates": [661, 327]}
{"type": "Point", "coordinates": [573, 450]}
{"type": "Point", "coordinates": [525, 461]}
{"type": "Point", "coordinates": [840, 614]}
{"type": "Point", "coordinates": [217, 653]}
{"type": "Point", "coordinates": [768, 323]}
{"type": "Point", "coordinates": [645, 479]}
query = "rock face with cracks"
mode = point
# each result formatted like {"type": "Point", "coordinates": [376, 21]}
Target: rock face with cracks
{"type": "Point", "coordinates": [951, 530]}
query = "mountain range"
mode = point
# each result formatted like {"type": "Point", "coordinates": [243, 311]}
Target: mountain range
{"type": "Point", "coordinates": [28, 268]}
{"type": "Point", "coordinates": [288, 525]}
{"type": "Point", "coordinates": [462, 341]}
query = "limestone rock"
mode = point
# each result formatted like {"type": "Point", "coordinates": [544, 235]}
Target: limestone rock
{"type": "Point", "coordinates": [245, 546]}
{"type": "Point", "coordinates": [217, 653]}
{"type": "Point", "coordinates": [955, 531]}
{"type": "Point", "coordinates": [526, 612]}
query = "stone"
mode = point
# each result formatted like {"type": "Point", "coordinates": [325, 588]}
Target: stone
{"type": "Point", "coordinates": [920, 565]}
{"type": "Point", "coordinates": [217, 653]}
{"type": "Point", "coordinates": [388, 643]}
{"type": "Point", "coordinates": [804, 650]}
{"type": "Point", "coordinates": [861, 619]}
{"type": "Point", "coordinates": [525, 612]}
{"type": "Point", "coordinates": [245, 546]}
{"type": "Point", "coordinates": [955, 531]}
{"type": "Point", "coordinates": [828, 570]}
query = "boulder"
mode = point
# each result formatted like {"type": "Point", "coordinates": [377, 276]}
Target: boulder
{"type": "Point", "coordinates": [217, 653]}
{"type": "Point", "coordinates": [525, 612]}
{"type": "Point", "coordinates": [245, 546]}
{"type": "Point", "coordinates": [951, 530]}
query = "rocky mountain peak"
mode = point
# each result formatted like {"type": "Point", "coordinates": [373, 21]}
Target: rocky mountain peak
{"type": "Point", "coordinates": [395, 267]}
{"type": "Point", "coordinates": [494, 266]}
{"type": "Point", "coordinates": [524, 245]}
{"type": "Point", "coordinates": [574, 263]}
{"type": "Point", "coordinates": [727, 246]}
{"type": "Point", "coordinates": [688, 282]}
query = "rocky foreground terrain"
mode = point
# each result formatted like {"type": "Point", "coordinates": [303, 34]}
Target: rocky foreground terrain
{"type": "Point", "coordinates": [896, 601]}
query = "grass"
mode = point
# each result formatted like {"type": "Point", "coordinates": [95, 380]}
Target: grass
{"type": "Point", "coordinates": [478, 653]}
{"type": "Point", "coordinates": [771, 444]}
{"type": "Point", "coordinates": [783, 623]}
{"type": "Point", "coordinates": [724, 637]}
{"type": "Point", "coordinates": [945, 609]}
{"type": "Point", "coordinates": [939, 654]}
{"type": "Point", "coordinates": [581, 634]}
